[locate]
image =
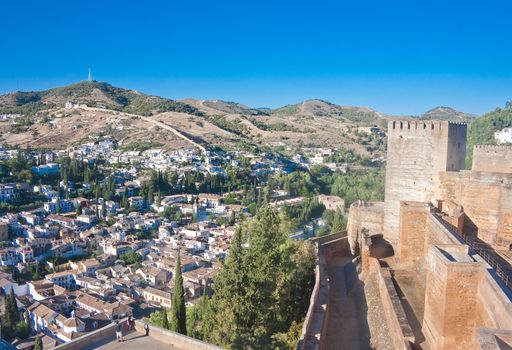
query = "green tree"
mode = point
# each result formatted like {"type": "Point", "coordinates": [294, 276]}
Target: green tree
{"type": "Point", "coordinates": [262, 289]}
{"type": "Point", "coordinates": [131, 257]}
{"type": "Point", "coordinates": [11, 313]}
{"type": "Point", "coordinates": [23, 329]}
{"type": "Point", "coordinates": [156, 318]}
{"type": "Point", "coordinates": [38, 343]}
{"type": "Point", "coordinates": [165, 320]}
{"type": "Point", "coordinates": [339, 222]}
{"type": "Point", "coordinates": [151, 196]}
{"type": "Point", "coordinates": [178, 311]}
{"type": "Point", "coordinates": [79, 209]}
{"type": "Point", "coordinates": [232, 218]}
{"type": "Point", "coordinates": [230, 302]}
{"type": "Point", "coordinates": [58, 199]}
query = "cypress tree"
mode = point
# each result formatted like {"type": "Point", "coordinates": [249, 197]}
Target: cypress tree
{"type": "Point", "coordinates": [178, 311]}
{"type": "Point", "coordinates": [58, 199]}
{"type": "Point", "coordinates": [165, 320]}
{"type": "Point", "coordinates": [151, 196]}
{"type": "Point", "coordinates": [232, 218]}
{"type": "Point", "coordinates": [226, 322]}
{"type": "Point", "coordinates": [11, 310]}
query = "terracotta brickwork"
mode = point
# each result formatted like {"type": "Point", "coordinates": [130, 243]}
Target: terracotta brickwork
{"type": "Point", "coordinates": [413, 231]}
{"type": "Point", "coordinates": [453, 279]}
{"type": "Point", "coordinates": [487, 202]}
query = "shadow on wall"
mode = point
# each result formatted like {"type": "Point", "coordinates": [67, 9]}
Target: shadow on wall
{"type": "Point", "coordinates": [380, 248]}
{"type": "Point", "coordinates": [412, 319]}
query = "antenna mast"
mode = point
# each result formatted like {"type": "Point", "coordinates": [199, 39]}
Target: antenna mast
{"type": "Point", "coordinates": [89, 78]}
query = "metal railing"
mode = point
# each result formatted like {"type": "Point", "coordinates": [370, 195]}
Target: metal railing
{"type": "Point", "coordinates": [502, 268]}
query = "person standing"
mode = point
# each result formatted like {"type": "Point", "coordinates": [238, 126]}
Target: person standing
{"type": "Point", "coordinates": [146, 328]}
{"type": "Point", "coordinates": [119, 331]}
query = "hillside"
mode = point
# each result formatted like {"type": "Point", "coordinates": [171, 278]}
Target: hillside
{"type": "Point", "coordinates": [321, 108]}
{"type": "Point", "coordinates": [481, 131]}
{"type": "Point", "coordinates": [232, 107]}
{"type": "Point", "coordinates": [448, 113]}
{"type": "Point", "coordinates": [93, 94]}
{"type": "Point", "coordinates": [312, 123]}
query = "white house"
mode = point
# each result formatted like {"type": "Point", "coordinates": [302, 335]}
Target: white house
{"type": "Point", "coordinates": [8, 192]}
{"type": "Point", "coordinates": [65, 206]}
{"type": "Point", "coordinates": [503, 136]}
{"type": "Point", "coordinates": [137, 202]}
{"type": "Point", "coordinates": [65, 279]}
{"type": "Point", "coordinates": [41, 316]}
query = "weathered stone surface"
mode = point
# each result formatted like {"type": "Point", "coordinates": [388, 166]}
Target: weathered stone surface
{"type": "Point", "coordinates": [412, 228]}
{"type": "Point", "coordinates": [453, 279]}
{"type": "Point", "coordinates": [367, 216]}
{"type": "Point", "coordinates": [487, 202]}
{"type": "Point", "coordinates": [417, 152]}
{"type": "Point", "coordinates": [492, 159]}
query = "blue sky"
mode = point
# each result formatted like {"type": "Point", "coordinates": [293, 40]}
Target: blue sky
{"type": "Point", "coordinates": [400, 57]}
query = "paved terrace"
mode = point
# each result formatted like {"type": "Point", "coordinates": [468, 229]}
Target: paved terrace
{"type": "Point", "coordinates": [134, 340]}
{"type": "Point", "coordinates": [158, 339]}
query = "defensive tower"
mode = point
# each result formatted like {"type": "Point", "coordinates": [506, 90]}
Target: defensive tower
{"type": "Point", "coordinates": [418, 150]}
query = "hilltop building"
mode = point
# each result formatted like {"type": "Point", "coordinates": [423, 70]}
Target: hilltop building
{"type": "Point", "coordinates": [503, 136]}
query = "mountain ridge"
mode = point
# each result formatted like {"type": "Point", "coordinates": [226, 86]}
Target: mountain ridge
{"type": "Point", "coordinates": [102, 94]}
{"type": "Point", "coordinates": [447, 113]}
{"type": "Point", "coordinates": [93, 94]}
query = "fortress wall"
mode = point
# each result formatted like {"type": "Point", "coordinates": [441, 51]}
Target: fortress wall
{"type": "Point", "coordinates": [106, 333]}
{"type": "Point", "coordinates": [400, 332]}
{"type": "Point", "coordinates": [494, 339]}
{"type": "Point", "coordinates": [174, 339]}
{"type": "Point", "coordinates": [486, 200]}
{"type": "Point", "coordinates": [417, 152]}
{"type": "Point", "coordinates": [494, 306]}
{"type": "Point", "coordinates": [437, 233]}
{"type": "Point", "coordinates": [505, 218]}
{"type": "Point", "coordinates": [316, 322]}
{"type": "Point", "coordinates": [457, 135]}
{"type": "Point", "coordinates": [412, 228]}
{"type": "Point", "coordinates": [453, 278]}
{"type": "Point", "coordinates": [488, 306]}
{"type": "Point", "coordinates": [369, 216]}
{"type": "Point", "coordinates": [492, 159]}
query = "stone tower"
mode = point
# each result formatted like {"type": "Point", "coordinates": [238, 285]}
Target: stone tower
{"type": "Point", "coordinates": [417, 151]}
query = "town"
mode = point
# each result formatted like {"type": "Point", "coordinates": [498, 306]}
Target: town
{"type": "Point", "coordinates": [92, 234]}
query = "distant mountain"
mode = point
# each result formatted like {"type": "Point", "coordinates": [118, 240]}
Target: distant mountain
{"type": "Point", "coordinates": [93, 94]}
{"type": "Point", "coordinates": [448, 113]}
{"type": "Point", "coordinates": [321, 108]}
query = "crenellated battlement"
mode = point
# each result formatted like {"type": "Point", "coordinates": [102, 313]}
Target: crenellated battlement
{"type": "Point", "coordinates": [424, 125]}
{"type": "Point", "coordinates": [492, 158]}
{"type": "Point", "coordinates": [418, 150]}
{"type": "Point", "coordinates": [494, 147]}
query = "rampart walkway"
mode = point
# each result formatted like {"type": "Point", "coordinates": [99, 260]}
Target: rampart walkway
{"type": "Point", "coordinates": [343, 331]}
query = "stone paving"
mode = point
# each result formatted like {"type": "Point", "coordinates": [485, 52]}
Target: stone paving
{"type": "Point", "coordinates": [344, 327]}
{"type": "Point", "coordinates": [135, 341]}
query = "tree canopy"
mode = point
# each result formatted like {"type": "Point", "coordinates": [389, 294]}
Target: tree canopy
{"type": "Point", "coordinates": [263, 287]}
